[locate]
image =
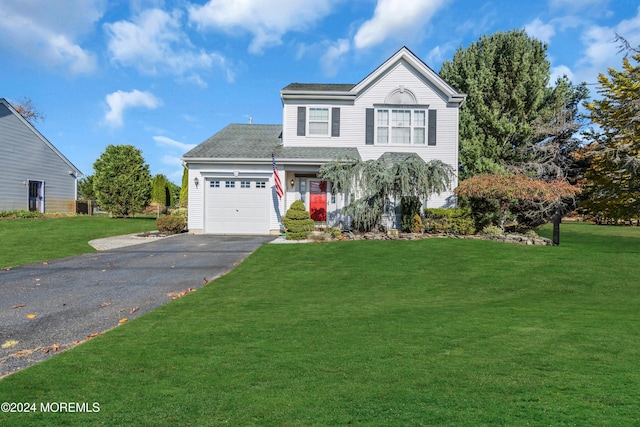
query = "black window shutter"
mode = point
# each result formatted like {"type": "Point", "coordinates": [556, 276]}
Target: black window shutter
{"type": "Point", "coordinates": [369, 127]}
{"type": "Point", "coordinates": [335, 121]}
{"type": "Point", "coordinates": [431, 138]}
{"type": "Point", "coordinates": [302, 120]}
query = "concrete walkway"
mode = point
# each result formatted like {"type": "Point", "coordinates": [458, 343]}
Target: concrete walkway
{"type": "Point", "coordinates": [123, 241]}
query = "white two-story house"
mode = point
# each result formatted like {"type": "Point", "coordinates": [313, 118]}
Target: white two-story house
{"type": "Point", "coordinates": [402, 107]}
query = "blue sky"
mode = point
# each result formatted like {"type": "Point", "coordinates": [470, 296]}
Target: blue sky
{"type": "Point", "coordinates": [165, 75]}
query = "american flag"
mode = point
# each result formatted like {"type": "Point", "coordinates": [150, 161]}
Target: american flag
{"type": "Point", "coordinates": [276, 178]}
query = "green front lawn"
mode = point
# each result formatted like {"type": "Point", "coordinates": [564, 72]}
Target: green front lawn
{"type": "Point", "coordinates": [431, 332]}
{"type": "Point", "coordinates": [23, 241]}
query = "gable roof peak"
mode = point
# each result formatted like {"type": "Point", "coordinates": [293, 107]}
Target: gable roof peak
{"type": "Point", "coordinates": [40, 136]}
{"type": "Point", "coordinates": [404, 53]}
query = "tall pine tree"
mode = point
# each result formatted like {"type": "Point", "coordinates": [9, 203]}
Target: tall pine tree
{"type": "Point", "coordinates": [612, 190]}
{"type": "Point", "coordinates": [511, 113]}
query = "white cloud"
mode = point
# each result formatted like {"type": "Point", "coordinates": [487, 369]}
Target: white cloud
{"type": "Point", "coordinates": [601, 51]}
{"type": "Point", "coordinates": [439, 54]}
{"type": "Point", "coordinates": [154, 43]}
{"type": "Point", "coordinates": [267, 21]}
{"type": "Point", "coordinates": [577, 5]}
{"type": "Point", "coordinates": [396, 19]}
{"type": "Point", "coordinates": [332, 56]}
{"type": "Point", "coordinates": [119, 101]}
{"type": "Point", "coordinates": [48, 33]}
{"type": "Point", "coordinates": [559, 71]}
{"type": "Point", "coordinates": [540, 30]}
{"type": "Point", "coordinates": [172, 143]}
{"type": "Point", "coordinates": [172, 161]}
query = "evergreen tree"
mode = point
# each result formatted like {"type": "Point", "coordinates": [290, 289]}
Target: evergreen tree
{"type": "Point", "coordinates": [122, 182]}
{"type": "Point", "coordinates": [512, 119]}
{"type": "Point", "coordinates": [381, 182]}
{"type": "Point", "coordinates": [85, 188]}
{"type": "Point", "coordinates": [184, 190]}
{"type": "Point", "coordinates": [161, 190]}
{"type": "Point", "coordinates": [612, 190]}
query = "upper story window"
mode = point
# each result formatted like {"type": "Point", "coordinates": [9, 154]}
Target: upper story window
{"type": "Point", "coordinates": [318, 121]}
{"type": "Point", "coordinates": [400, 126]}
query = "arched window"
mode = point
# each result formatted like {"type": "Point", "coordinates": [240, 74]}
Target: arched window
{"type": "Point", "coordinates": [401, 96]}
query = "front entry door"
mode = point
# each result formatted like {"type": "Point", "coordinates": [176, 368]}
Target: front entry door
{"type": "Point", "coordinates": [318, 200]}
{"type": "Point", "coordinates": [36, 196]}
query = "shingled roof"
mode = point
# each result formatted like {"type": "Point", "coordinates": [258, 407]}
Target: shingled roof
{"type": "Point", "coordinates": [260, 142]}
{"type": "Point", "coordinates": [319, 87]}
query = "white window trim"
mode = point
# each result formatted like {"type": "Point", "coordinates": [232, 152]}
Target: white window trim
{"type": "Point", "coordinates": [389, 109]}
{"type": "Point", "coordinates": [309, 121]}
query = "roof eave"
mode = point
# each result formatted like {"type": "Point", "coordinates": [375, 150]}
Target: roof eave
{"type": "Point", "coordinates": [315, 95]}
{"type": "Point", "coordinates": [457, 98]}
{"type": "Point", "coordinates": [255, 161]}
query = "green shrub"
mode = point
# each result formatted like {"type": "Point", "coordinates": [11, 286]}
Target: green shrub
{"type": "Point", "coordinates": [334, 232]}
{"type": "Point", "coordinates": [180, 212]}
{"type": "Point", "coordinates": [484, 211]}
{"type": "Point", "coordinates": [297, 222]}
{"type": "Point", "coordinates": [20, 214]}
{"type": "Point", "coordinates": [491, 230]}
{"type": "Point", "coordinates": [171, 224]}
{"type": "Point", "coordinates": [409, 207]}
{"type": "Point", "coordinates": [416, 224]}
{"type": "Point", "coordinates": [453, 221]}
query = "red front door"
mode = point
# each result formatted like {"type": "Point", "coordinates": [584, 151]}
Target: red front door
{"type": "Point", "coordinates": [318, 200]}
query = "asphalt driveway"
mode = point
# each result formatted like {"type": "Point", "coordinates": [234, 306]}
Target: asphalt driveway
{"type": "Point", "coordinates": [48, 307]}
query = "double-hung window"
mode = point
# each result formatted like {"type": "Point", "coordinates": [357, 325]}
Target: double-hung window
{"type": "Point", "coordinates": [400, 126]}
{"type": "Point", "coordinates": [318, 121]}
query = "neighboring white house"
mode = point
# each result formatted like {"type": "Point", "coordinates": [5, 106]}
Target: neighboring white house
{"type": "Point", "coordinates": [34, 175]}
{"type": "Point", "coordinates": [402, 107]}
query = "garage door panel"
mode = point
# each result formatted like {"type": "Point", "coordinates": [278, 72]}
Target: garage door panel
{"type": "Point", "coordinates": [238, 208]}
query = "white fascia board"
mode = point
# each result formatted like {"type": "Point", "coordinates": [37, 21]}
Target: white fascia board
{"type": "Point", "coordinates": [239, 161]}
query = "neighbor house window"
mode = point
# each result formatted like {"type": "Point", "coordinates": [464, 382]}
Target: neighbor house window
{"type": "Point", "coordinates": [318, 121]}
{"type": "Point", "coordinates": [400, 126]}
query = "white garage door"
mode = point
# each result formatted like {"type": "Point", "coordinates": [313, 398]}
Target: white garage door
{"type": "Point", "coordinates": [237, 206]}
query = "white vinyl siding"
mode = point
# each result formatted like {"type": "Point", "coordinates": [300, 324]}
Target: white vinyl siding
{"type": "Point", "coordinates": [26, 156]}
